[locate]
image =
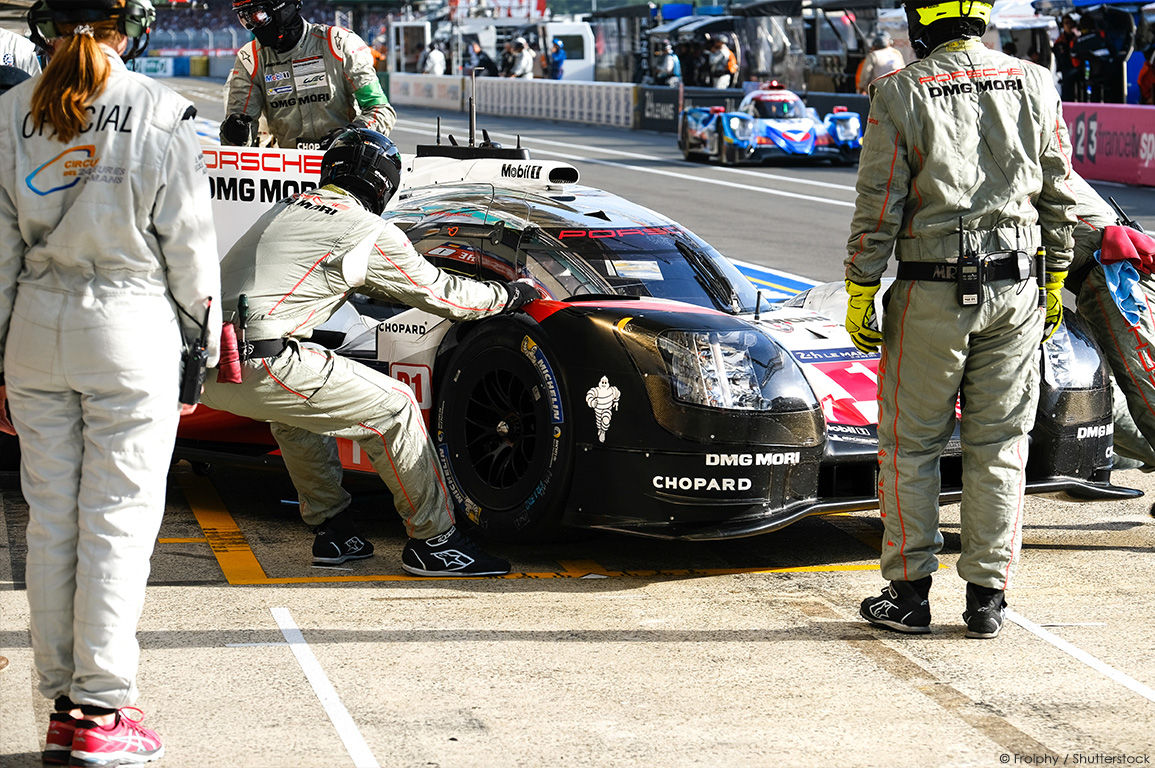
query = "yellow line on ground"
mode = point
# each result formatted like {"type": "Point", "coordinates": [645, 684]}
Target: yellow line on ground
{"type": "Point", "coordinates": [198, 540]}
{"type": "Point", "coordinates": [240, 566]}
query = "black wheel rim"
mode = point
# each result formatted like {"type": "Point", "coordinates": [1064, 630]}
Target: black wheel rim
{"type": "Point", "coordinates": [501, 429]}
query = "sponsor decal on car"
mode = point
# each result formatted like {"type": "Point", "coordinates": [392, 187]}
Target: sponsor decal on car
{"type": "Point", "coordinates": [667, 483]}
{"type": "Point", "coordinates": [604, 400]}
{"type": "Point", "coordinates": [752, 459]}
{"type": "Point", "coordinates": [530, 349]}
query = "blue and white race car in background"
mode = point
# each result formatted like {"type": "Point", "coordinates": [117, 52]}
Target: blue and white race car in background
{"type": "Point", "coordinates": [769, 123]}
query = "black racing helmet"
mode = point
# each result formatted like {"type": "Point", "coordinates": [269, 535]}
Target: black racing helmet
{"type": "Point", "coordinates": [934, 22]}
{"type": "Point", "coordinates": [276, 24]}
{"type": "Point", "coordinates": [10, 76]}
{"type": "Point", "coordinates": [364, 163]}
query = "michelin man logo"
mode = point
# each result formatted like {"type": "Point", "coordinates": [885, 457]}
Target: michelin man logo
{"type": "Point", "coordinates": [604, 400]}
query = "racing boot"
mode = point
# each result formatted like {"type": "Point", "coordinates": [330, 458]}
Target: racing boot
{"type": "Point", "coordinates": [451, 553]}
{"type": "Point", "coordinates": [339, 540]}
{"type": "Point", "coordinates": [986, 608]}
{"type": "Point", "coordinates": [903, 606]}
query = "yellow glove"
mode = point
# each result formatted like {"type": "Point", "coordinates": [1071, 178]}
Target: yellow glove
{"type": "Point", "coordinates": [1054, 286]}
{"type": "Point", "coordinates": [861, 323]}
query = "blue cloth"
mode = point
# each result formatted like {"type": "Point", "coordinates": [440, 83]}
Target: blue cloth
{"type": "Point", "coordinates": [1123, 283]}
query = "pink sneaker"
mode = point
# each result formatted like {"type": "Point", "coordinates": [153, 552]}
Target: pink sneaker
{"type": "Point", "coordinates": [125, 742]}
{"type": "Point", "coordinates": [58, 748]}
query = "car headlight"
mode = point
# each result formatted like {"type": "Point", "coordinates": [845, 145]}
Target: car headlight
{"type": "Point", "coordinates": [847, 130]}
{"type": "Point", "coordinates": [729, 369]}
{"type": "Point", "coordinates": [743, 130]}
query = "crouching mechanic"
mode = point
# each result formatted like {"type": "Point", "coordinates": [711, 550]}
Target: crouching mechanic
{"type": "Point", "coordinates": [310, 81]}
{"type": "Point", "coordinates": [964, 162]}
{"type": "Point", "coordinates": [296, 266]}
{"type": "Point", "coordinates": [1116, 304]}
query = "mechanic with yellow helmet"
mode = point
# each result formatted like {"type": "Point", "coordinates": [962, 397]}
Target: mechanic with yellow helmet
{"type": "Point", "coordinates": [310, 81]}
{"type": "Point", "coordinates": [963, 175]}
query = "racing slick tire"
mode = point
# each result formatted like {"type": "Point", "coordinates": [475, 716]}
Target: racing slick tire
{"type": "Point", "coordinates": [728, 153]}
{"type": "Point", "coordinates": [506, 457]}
{"type": "Point", "coordinates": [684, 145]}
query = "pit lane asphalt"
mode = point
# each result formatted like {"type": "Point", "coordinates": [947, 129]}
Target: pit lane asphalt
{"type": "Point", "coordinates": [616, 651]}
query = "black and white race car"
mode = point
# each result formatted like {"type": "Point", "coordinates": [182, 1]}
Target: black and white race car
{"type": "Point", "coordinates": [655, 391]}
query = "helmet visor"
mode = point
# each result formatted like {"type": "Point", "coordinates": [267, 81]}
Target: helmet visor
{"type": "Point", "coordinates": [254, 16]}
{"type": "Point", "coordinates": [954, 9]}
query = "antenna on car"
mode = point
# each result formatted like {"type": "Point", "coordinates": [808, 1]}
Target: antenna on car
{"type": "Point", "coordinates": [439, 130]}
{"type": "Point", "coordinates": [472, 106]}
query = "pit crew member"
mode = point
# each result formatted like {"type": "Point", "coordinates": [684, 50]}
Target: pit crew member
{"type": "Point", "coordinates": [296, 266]}
{"type": "Point", "coordinates": [965, 161]}
{"type": "Point", "coordinates": [310, 81]}
{"type": "Point", "coordinates": [18, 51]}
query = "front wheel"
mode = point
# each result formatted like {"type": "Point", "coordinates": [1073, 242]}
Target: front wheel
{"type": "Point", "coordinates": [502, 438]}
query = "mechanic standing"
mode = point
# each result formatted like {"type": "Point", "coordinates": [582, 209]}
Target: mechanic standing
{"type": "Point", "coordinates": [18, 51]}
{"type": "Point", "coordinates": [883, 59]}
{"type": "Point", "coordinates": [310, 81]}
{"type": "Point", "coordinates": [295, 267]}
{"type": "Point", "coordinates": [109, 258]}
{"type": "Point", "coordinates": [963, 175]}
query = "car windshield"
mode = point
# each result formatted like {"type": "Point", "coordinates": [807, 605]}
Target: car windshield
{"type": "Point", "coordinates": [778, 108]}
{"type": "Point", "coordinates": [664, 262]}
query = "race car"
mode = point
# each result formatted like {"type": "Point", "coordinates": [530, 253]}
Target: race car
{"type": "Point", "coordinates": [769, 123]}
{"type": "Point", "coordinates": [653, 390]}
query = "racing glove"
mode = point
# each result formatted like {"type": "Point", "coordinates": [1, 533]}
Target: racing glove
{"type": "Point", "coordinates": [1054, 286]}
{"type": "Point", "coordinates": [239, 130]}
{"type": "Point", "coordinates": [861, 323]}
{"type": "Point", "coordinates": [521, 292]}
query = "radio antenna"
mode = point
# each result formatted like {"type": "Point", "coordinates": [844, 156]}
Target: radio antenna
{"type": "Point", "coordinates": [439, 130]}
{"type": "Point", "coordinates": [472, 106]}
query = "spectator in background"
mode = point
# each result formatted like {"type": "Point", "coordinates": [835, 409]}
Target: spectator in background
{"type": "Point", "coordinates": [507, 59]}
{"type": "Point", "coordinates": [1067, 63]}
{"type": "Point", "coordinates": [480, 60]}
{"type": "Point", "coordinates": [556, 59]}
{"type": "Point", "coordinates": [723, 64]}
{"type": "Point", "coordinates": [882, 60]}
{"type": "Point", "coordinates": [667, 70]}
{"type": "Point", "coordinates": [1146, 79]}
{"type": "Point", "coordinates": [523, 57]}
{"type": "Point", "coordinates": [1098, 55]}
{"type": "Point", "coordinates": [434, 61]}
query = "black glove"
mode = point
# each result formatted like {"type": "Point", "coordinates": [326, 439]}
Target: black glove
{"type": "Point", "coordinates": [239, 130]}
{"type": "Point", "coordinates": [520, 294]}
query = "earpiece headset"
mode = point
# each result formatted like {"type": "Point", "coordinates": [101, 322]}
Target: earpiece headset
{"type": "Point", "coordinates": [134, 20]}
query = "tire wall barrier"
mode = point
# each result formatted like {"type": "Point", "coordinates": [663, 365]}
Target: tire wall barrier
{"type": "Point", "coordinates": [1111, 142]}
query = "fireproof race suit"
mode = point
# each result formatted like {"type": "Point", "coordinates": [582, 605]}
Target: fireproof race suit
{"type": "Point", "coordinates": [1129, 348]}
{"type": "Point", "coordinates": [325, 82]}
{"type": "Point", "coordinates": [99, 237]}
{"type": "Point", "coordinates": [18, 51]}
{"type": "Point", "coordinates": [974, 134]}
{"type": "Point", "coordinates": [297, 265]}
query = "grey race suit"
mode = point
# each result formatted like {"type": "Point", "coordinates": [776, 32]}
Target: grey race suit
{"type": "Point", "coordinates": [18, 51]}
{"type": "Point", "coordinates": [94, 236]}
{"type": "Point", "coordinates": [298, 264]}
{"type": "Point", "coordinates": [326, 81]}
{"type": "Point", "coordinates": [925, 162]}
{"type": "Point", "coordinates": [1130, 350]}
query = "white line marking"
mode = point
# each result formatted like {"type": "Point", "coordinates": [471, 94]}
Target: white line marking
{"type": "Point", "coordinates": [660, 172]}
{"type": "Point", "coordinates": [1083, 656]}
{"type": "Point", "coordinates": [342, 721]}
{"type": "Point", "coordinates": [252, 645]}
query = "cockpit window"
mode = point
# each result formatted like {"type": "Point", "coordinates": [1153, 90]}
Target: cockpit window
{"type": "Point", "coordinates": [778, 109]}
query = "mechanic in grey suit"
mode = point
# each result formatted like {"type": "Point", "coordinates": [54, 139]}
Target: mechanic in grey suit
{"type": "Point", "coordinates": [1129, 347]}
{"type": "Point", "coordinates": [309, 80]}
{"type": "Point", "coordinates": [296, 266]}
{"type": "Point", "coordinates": [972, 139]}
{"type": "Point", "coordinates": [108, 258]}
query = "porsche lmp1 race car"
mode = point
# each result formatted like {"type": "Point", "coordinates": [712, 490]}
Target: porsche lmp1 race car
{"type": "Point", "coordinates": [769, 123]}
{"type": "Point", "coordinates": [655, 391]}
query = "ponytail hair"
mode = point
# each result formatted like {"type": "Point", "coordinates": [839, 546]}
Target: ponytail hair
{"type": "Point", "coordinates": [75, 75]}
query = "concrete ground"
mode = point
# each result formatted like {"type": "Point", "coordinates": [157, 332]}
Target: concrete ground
{"type": "Point", "coordinates": [613, 651]}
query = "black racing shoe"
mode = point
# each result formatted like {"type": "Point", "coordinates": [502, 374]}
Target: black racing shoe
{"type": "Point", "coordinates": [450, 554]}
{"type": "Point", "coordinates": [903, 606]}
{"type": "Point", "coordinates": [986, 609]}
{"type": "Point", "coordinates": [335, 543]}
